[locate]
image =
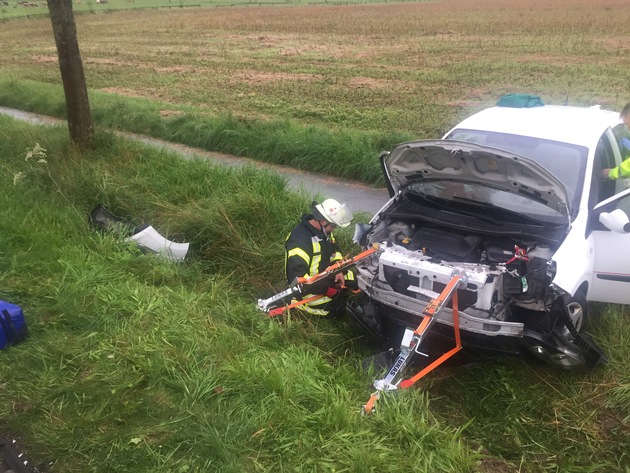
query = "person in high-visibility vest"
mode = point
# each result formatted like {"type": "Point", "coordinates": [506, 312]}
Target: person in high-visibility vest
{"type": "Point", "coordinates": [622, 133]}
{"type": "Point", "coordinates": [310, 248]}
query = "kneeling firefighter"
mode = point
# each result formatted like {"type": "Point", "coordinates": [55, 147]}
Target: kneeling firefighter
{"type": "Point", "coordinates": [310, 248]}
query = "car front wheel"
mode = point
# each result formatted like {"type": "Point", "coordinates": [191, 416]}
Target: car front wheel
{"type": "Point", "coordinates": [572, 308]}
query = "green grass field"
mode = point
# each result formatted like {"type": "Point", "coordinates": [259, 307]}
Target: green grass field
{"type": "Point", "coordinates": [137, 364]}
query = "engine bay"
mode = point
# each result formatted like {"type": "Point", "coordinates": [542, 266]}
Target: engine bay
{"type": "Point", "coordinates": [418, 259]}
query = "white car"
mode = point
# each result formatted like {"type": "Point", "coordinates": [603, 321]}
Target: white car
{"type": "Point", "coordinates": [512, 199]}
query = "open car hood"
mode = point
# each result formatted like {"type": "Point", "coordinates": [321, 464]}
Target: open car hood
{"type": "Point", "coordinates": [461, 161]}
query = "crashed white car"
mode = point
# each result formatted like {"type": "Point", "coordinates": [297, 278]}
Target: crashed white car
{"type": "Point", "coordinates": [512, 199]}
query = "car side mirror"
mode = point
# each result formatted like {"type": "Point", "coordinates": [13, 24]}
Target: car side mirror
{"type": "Point", "coordinates": [617, 221]}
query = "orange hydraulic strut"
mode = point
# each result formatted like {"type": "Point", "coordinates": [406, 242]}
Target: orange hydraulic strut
{"type": "Point", "coordinates": [298, 285]}
{"type": "Point", "coordinates": [458, 346]}
{"type": "Point", "coordinates": [432, 309]}
{"type": "Point", "coordinates": [280, 310]}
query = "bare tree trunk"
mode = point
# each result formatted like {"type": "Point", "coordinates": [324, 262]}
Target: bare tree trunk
{"type": "Point", "coordinates": [72, 76]}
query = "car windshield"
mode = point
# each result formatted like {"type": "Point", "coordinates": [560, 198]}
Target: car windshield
{"type": "Point", "coordinates": [486, 203]}
{"type": "Point", "coordinates": [567, 162]}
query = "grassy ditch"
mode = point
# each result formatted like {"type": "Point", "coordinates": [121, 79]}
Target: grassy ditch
{"type": "Point", "coordinates": [350, 154]}
{"type": "Point", "coordinates": [137, 364]}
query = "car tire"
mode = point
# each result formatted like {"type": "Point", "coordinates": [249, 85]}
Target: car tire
{"type": "Point", "coordinates": [575, 307]}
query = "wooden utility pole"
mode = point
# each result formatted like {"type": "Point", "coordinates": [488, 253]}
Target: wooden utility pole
{"type": "Point", "coordinates": [72, 76]}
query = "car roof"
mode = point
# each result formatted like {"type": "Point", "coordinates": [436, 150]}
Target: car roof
{"type": "Point", "coordinates": [568, 124]}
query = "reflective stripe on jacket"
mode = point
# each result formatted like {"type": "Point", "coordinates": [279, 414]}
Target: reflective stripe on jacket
{"type": "Point", "coordinates": [623, 170]}
{"type": "Point", "coordinates": [308, 251]}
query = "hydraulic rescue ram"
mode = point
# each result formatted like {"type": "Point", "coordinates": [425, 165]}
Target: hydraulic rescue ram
{"type": "Point", "coordinates": [275, 305]}
{"type": "Point", "coordinates": [411, 344]}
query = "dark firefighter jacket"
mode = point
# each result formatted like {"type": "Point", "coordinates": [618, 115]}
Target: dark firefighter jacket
{"type": "Point", "coordinates": [308, 251]}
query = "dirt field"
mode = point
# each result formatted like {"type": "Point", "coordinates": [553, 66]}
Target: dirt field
{"type": "Point", "coordinates": [415, 67]}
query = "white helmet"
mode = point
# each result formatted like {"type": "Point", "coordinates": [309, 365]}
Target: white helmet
{"type": "Point", "coordinates": [334, 212]}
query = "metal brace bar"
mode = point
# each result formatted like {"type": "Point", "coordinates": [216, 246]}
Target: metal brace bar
{"type": "Point", "coordinates": [411, 341]}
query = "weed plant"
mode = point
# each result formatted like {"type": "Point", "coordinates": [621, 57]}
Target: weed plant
{"type": "Point", "coordinates": [135, 363]}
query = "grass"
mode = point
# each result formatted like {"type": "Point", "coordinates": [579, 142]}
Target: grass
{"type": "Point", "coordinates": [137, 364]}
{"type": "Point", "coordinates": [285, 142]}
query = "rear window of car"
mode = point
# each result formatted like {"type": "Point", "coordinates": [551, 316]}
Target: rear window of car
{"type": "Point", "coordinates": [566, 161]}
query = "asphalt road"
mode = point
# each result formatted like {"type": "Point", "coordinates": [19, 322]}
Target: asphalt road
{"type": "Point", "coordinates": [358, 196]}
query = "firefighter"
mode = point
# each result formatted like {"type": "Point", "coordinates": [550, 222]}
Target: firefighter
{"type": "Point", "coordinates": [310, 248]}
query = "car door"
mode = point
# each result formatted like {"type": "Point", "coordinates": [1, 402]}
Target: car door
{"type": "Point", "coordinates": [611, 254]}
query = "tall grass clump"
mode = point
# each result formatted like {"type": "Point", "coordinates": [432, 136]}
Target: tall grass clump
{"type": "Point", "coordinates": [343, 153]}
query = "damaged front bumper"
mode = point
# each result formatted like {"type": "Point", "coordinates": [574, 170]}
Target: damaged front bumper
{"type": "Point", "coordinates": [398, 290]}
{"type": "Point", "coordinates": [425, 277]}
{"type": "Point", "coordinates": [466, 322]}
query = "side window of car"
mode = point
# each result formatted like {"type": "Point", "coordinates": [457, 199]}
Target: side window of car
{"type": "Point", "coordinates": [604, 158]}
{"type": "Point", "coordinates": [624, 204]}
